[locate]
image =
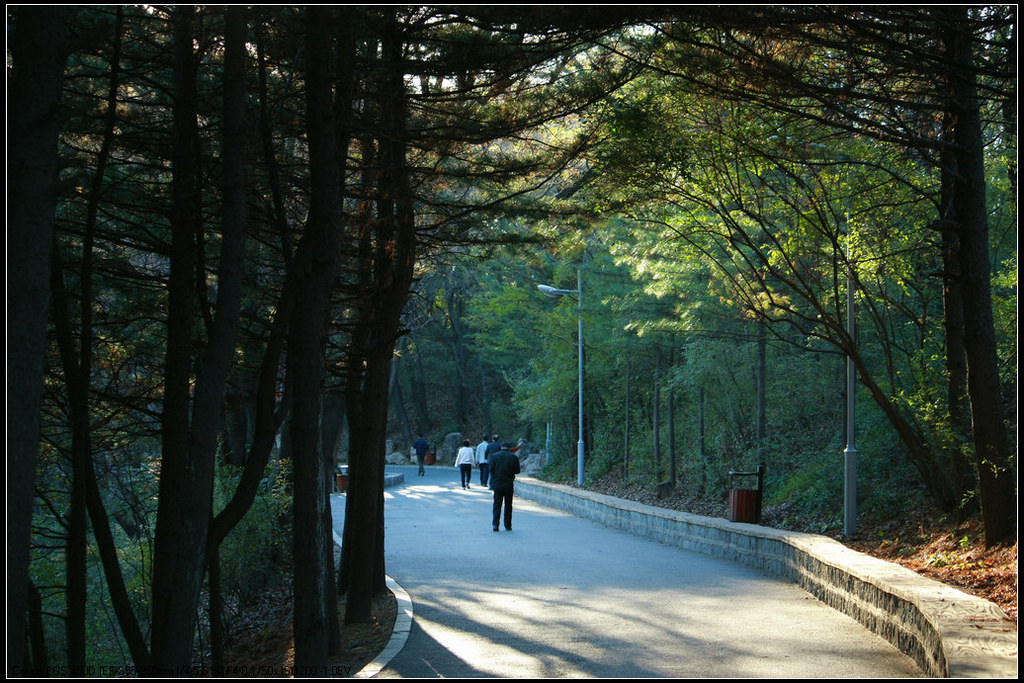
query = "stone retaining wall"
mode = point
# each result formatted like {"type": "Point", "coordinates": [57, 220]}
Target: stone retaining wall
{"type": "Point", "coordinates": [947, 632]}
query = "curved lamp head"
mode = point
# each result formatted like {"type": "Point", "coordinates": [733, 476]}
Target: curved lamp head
{"type": "Point", "coordinates": [554, 291]}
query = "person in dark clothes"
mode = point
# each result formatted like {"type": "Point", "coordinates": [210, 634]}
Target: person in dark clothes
{"type": "Point", "coordinates": [420, 447]}
{"type": "Point", "coordinates": [485, 472]}
{"type": "Point", "coordinates": [504, 468]}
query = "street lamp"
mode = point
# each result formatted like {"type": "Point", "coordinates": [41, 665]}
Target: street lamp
{"type": "Point", "coordinates": [850, 454]}
{"type": "Point", "coordinates": [578, 293]}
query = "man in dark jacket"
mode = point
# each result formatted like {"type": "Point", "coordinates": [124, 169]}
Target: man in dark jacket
{"type": "Point", "coordinates": [504, 468]}
{"type": "Point", "coordinates": [485, 470]}
{"type": "Point", "coordinates": [420, 446]}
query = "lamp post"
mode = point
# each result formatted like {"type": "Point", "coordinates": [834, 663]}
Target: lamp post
{"type": "Point", "coordinates": [850, 454]}
{"type": "Point", "coordinates": [578, 292]}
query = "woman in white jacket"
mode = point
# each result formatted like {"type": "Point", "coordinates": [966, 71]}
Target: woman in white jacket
{"type": "Point", "coordinates": [464, 461]}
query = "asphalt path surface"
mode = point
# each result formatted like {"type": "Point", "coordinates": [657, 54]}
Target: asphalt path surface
{"type": "Point", "coordinates": [561, 597]}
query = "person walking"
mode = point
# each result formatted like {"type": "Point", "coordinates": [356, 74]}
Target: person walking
{"type": "Point", "coordinates": [493, 447]}
{"type": "Point", "coordinates": [420, 446]}
{"type": "Point", "coordinates": [464, 461]}
{"type": "Point", "coordinates": [504, 468]}
{"type": "Point", "coordinates": [481, 460]}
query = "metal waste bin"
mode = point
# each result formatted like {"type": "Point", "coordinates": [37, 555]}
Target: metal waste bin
{"type": "Point", "coordinates": [745, 503]}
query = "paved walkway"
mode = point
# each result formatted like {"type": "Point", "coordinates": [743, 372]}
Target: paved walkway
{"type": "Point", "coordinates": [564, 597]}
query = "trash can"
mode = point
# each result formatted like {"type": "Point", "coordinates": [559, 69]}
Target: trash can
{"type": "Point", "coordinates": [743, 506]}
{"type": "Point", "coordinates": [341, 479]}
{"type": "Point", "coordinates": [745, 503]}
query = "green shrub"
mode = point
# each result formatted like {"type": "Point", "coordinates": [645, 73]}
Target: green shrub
{"type": "Point", "coordinates": [258, 549]}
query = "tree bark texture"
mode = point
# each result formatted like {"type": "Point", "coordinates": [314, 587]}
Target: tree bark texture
{"type": "Point", "coordinates": [389, 266]}
{"type": "Point", "coordinates": [234, 220]}
{"type": "Point", "coordinates": [37, 49]}
{"type": "Point", "coordinates": [995, 475]}
{"type": "Point", "coordinates": [192, 411]}
{"type": "Point", "coordinates": [181, 522]}
{"type": "Point", "coordinates": [307, 342]}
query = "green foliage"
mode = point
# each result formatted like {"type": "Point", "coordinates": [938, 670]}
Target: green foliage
{"type": "Point", "coordinates": [814, 490]}
{"type": "Point", "coordinates": [127, 497]}
{"type": "Point", "coordinates": [258, 549]}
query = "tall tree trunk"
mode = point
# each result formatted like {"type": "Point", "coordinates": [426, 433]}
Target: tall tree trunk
{"type": "Point", "coordinates": [307, 343]}
{"type": "Point", "coordinates": [37, 49]}
{"type": "Point", "coordinates": [672, 437]}
{"type": "Point", "coordinates": [657, 414]}
{"type": "Point", "coordinates": [396, 396]}
{"type": "Point", "coordinates": [373, 342]}
{"type": "Point", "coordinates": [216, 608]}
{"type": "Point", "coordinates": [456, 305]}
{"type": "Point", "coordinates": [180, 527]}
{"type": "Point", "coordinates": [76, 556]}
{"type": "Point", "coordinates": [234, 220]}
{"type": "Point", "coordinates": [762, 385]}
{"type": "Point", "coordinates": [417, 385]}
{"type": "Point", "coordinates": [78, 374]}
{"type": "Point", "coordinates": [953, 324]}
{"type": "Point", "coordinates": [78, 387]}
{"type": "Point", "coordinates": [995, 474]}
{"type": "Point", "coordinates": [332, 428]}
{"type": "Point", "coordinates": [485, 397]}
{"type": "Point", "coordinates": [360, 501]}
{"type": "Point", "coordinates": [38, 658]}
{"type": "Point", "coordinates": [701, 454]}
{"type": "Point", "coordinates": [625, 445]}
{"type": "Point", "coordinates": [193, 407]}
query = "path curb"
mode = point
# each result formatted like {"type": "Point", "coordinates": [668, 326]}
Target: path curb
{"type": "Point", "coordinates": [948, 633]}
{"type": "Point", "coordinates": [403, 624]}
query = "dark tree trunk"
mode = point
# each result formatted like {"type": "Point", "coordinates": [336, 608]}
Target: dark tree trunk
{"type": "Point", "coordinates": [460, 355]}
{"type": "Point", "coordinates": [626, 429]}
{"type": "Point", "coordinates": [190, 432]}
{"type": "Point", "coordinates": [35, 78]}
{"type": "Point", "coordinates": [419, 396]}
{"type": "Point", "coordinates": [657, 415]}
{"type": "Point", "coordinates": [995, 474]}
{"type": "Point", "coordinates": [77, 382]}
{"type": "Point", "coordinates": [225, 332]}
{"type": "Point", "coordinates": [361, 500]}
{"type": "Point", "coordinates": [365, 500]}
{"type": "Point", "coordinates": [76, 557]}
{"type": "Point", "coordinates": [485, 398]}
{"type": "Point", "coordinates": [332, 426]}
{"type": "Point", "coordinates": [307, 341]}
{"type": "Point", "coordinates": [76, 377]}
{"type": "Point", "coordinates": [216, 608]}
{"type": "Point", "coordinates": [181, 521]}
{"type": "Point", "coordinates": [78, 373]}
{"type": "Point", "coordinates": [953, 326]}
{"type": "Point", "coordinates": [396, 396]}
{"type": "Point", "coordinates": [762, 386]}
{"type": "Point", "coordinates": [38, 658]}
{"type": "Point", "coordinates": [390, 267]}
